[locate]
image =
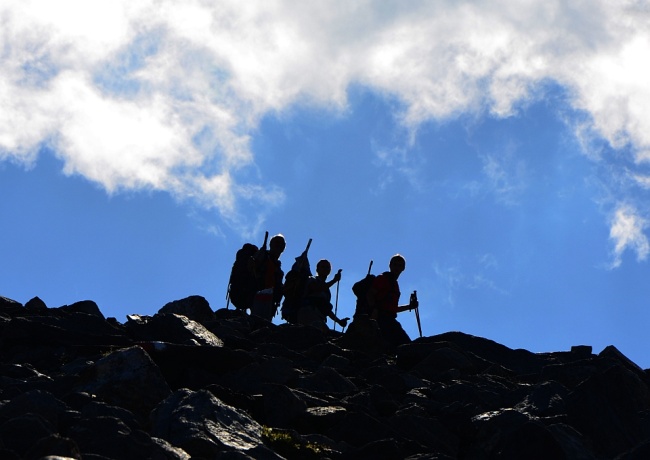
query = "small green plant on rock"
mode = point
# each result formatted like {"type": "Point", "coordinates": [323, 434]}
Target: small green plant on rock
{"type": "Point", "coordinates": [291, 445]}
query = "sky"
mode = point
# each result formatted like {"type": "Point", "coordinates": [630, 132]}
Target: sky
{"type": "Point", "coordinates": [503, 148]}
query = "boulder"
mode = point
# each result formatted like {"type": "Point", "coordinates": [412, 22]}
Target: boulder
{"type": "Point", "coordinates": [608, 408]}
{"type": "Point", "coordinates": [36, 304]}
{"type": "Point", "coordinates": [171, 328]}
{"type": "Point", "coordinates": [20, 433]}
{"type": "Point", "coordinates": [127, 378]}
{"type": "Point", "coordinates": [193, 307]}
{"type": "Point", "coordinates": [205, 427]}
{"type": "Point", "coordinates": [85, 306]}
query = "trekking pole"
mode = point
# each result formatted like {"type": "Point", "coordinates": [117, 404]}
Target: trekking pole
{"type": "Point", "coordinates": [266, 239]}
{"type": "Point", "coordinates": [414, 297]}
{"type": "Point", "coordinates": [228, 293]}
{"type": "Point", "coordinates": [369, 267]}
{"type": "Point", "coordinates": [336, 305]}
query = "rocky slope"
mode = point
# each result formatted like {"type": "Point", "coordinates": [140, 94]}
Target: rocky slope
{"type": "Point", "coordinates": [189, 382]}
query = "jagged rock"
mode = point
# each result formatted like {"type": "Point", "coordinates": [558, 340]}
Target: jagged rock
{"type": "Point", "coordinates": [640, 452]}
{"type": "Point", "coordinates": [228, 385]}
{"type": "Point", "coordinates": [607, 407]}
{"type": "Point", "coordinates": [326, 380]}
{"type": "Point", "coordinates": [509, 434]}
{"type": "Point", "coordinates": [253, 377]}
{"type": "Point", "coordinates": [54, 447]}
{"type": "Point", "coordinates": [570, 374]}
{"type": "Point", "coordinates": [573, 444]}
{"type": "Point", "coordinates": [282, 407]}
{"type": "Point", "coordinates": [321, 419]}
{"type": "Point", "coordinates": [20, 433]}
{"type": "Point", "coordinates": [442, 361]}
{"type": "Point", "coordinates": [427, 431]}
{"type": "Point", "coordinates": [165, 451]}
{"type": "Point", "coordinates": [95, 409]}
{"type": "Point", "coordinates": [9, 306]}
{"type": "Point", "coordinates": [203, 426]}
{"type": "Point", "coordinates": [85, 306]}
{"type": "Point", "coordinates": [172, 328]}
{"type": "Point", "coordinates": [295, 337]}
{"type": "Point", "coordinates": [382, 449]}
{"type": "Point", "coordinates": [127, 378]}
{"type": "Point", "coordinates": [110, 437]}
{"type": "Point", "coordinates": [519, 361]}
{"type": "Point", "coordinates": [193, 307]}
{"type": "Point", "coordinates": [612, 352]}
{"type": "Point", "coordinates": [37, 402]}
{"type": "Point", "coordinates": [193, 366]}
{"type": "Point", "coordinates": [59, 328]}
{"type": "Point", "coordinates": [545, 400]}
{"type": "Point", "coordinates": [359, 428]}
{"type": "Point", "coordinates": [36, 304]}
{"type": "Point", "coordinates": [233, 327]}
{"type": "Point", "coordinates": [336, 362]}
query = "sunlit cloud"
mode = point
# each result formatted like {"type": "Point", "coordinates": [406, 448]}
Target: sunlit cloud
{"type": "Point", "coordinates": [165, 95]}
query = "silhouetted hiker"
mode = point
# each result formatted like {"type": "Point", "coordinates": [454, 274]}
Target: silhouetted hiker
{"type": "Point", "coordinates": [383, 300]}
{"type": "Point", "coordinates": [269, 274]}
{"type": "Point", "coordinates": [242, 284]}
{"type": "Point", "coordinates": [294, 286]}
{"type": "Point", "coordinates": [317, 305]}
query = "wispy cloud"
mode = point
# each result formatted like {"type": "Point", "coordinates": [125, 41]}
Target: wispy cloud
{"type": "Point", "coordinates": [455, 280]}
{"type": "Point", "coordinates": [165, 95]}
{"type": "Point", "coordinates": [626, 231]}
{"type": "Point", "coordinates": [506, 177]}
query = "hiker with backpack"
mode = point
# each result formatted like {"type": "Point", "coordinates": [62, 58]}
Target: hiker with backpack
{"type": "Point", "coordinates": [242, 284]}
{"type": "Point", "coordinates": [294, 286]}
{"type": "Point", "coordinates": [383, 302]}
{"type": "Point", "coordinates": [316, 304]}
{"type": "Point", "coordinates": [267, 269]}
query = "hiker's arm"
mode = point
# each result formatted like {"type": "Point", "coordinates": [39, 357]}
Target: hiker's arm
{"type": "Point", "coordinates": [341, 322]}
{"type": "Point", "coordinates": [409, 306]}
{"type": "Point", "coordinates": [336, 279]}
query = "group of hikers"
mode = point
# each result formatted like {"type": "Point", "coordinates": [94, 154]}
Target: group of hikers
{"type": "Point", "coordinates": [259, 285]}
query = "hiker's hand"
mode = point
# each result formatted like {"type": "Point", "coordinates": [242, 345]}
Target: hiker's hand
{"type": "Point", "coordinates": [344, 322]}
{"type": "Point", "coordinates": [337, 277]}
{"type": "Point", "coordinates": [414, 304]}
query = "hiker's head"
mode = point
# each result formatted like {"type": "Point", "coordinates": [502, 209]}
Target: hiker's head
{"type": "Point", "coordinates": [323, 268]}
{"type": "Point", "coordinates": [277, 245]}
{"type": "Point", "coordinates": [397, 264]}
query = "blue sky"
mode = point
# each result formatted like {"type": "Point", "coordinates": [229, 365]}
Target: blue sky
{"type": "Point", "coordinates": [503, 151]}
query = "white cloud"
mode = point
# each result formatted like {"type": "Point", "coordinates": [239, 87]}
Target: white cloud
{"type": "Point", "coordinates": [164, 94]}
{"type": "Point", "coordinates": [626, 231]}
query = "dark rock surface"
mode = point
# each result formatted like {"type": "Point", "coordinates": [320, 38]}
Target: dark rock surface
{"type": "Point", "coordinates": [193, 383]}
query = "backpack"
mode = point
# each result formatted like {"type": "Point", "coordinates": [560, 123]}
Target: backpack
{"type": "Point", "coordinates": [360, 289]}
{"type": "Point", "coordinates": [242, 285]}
{"type": "Point", "coordinates": [294, 288]}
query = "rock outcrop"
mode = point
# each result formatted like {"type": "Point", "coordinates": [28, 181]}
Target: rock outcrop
{"type": "Point", "coordinates": [192, 383]}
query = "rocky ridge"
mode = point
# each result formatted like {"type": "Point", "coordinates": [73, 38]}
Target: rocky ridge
{"type": "Point", "coordinates": [190, 382]}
